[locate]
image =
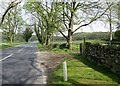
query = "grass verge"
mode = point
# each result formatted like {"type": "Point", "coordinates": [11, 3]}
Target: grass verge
{"type": "Point", "coordinates": [42, 47]}
{"type": "Point", "coordinates": [56, 50]}
{"type": "Point", "coordinates": [82, 71]}
{"type": "Point", "coordinates": [7, 45]}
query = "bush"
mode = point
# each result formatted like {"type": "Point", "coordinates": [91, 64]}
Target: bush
{"type": "Point", "coordinates": [55, 46]}
{"type": "Point", "coordinates": [51, 46]}
{"type": "Point", "coordinates": [117, 35]}
{"type": "Point", "coordinates": [64, 45]}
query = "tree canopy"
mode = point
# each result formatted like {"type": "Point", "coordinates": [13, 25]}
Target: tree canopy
{"type": "Point", "coordinates": [48, 18]}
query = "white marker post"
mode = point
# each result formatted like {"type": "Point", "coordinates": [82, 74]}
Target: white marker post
{"type": "Point", "coordinates": [65, 71]}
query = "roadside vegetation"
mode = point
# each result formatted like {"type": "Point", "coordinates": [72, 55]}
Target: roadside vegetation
{"type": "Point", "coordinates": [80, 70]}
{"type": "Point", "coordinates": [7, 45]}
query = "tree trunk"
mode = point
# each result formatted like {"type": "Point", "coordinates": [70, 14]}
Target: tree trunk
{"type": "Point", "coordinates": [69, 39]}
{"type": "Point", "coordinates": [11, 39]}
{"type": "Point", "coordinates": [48, 39]}
{"type": "Point", "coordinates": [37, 34]}
{"type": "Point", "coordinates": [39, 38]}
{"type": "Point", "coordinates": [43, 36]}
{"type": "Point", "coordinates": [110, 35]}
{"type": "Point", "coordinates": [26, 40]}
{"type": "Point", "coordinates": [110, 24]}
{"type": "Point", "coordinates": [70, 32]}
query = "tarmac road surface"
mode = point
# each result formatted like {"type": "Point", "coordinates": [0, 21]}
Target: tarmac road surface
{"type": "Point", "coordinates": [19, 65]}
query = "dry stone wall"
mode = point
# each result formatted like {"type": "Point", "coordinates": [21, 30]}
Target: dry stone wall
{"type": "Point", "coordinates": [108, 55]}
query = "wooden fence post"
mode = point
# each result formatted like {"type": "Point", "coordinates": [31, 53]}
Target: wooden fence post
{"type": "Point", "coordinates": [84, 45]}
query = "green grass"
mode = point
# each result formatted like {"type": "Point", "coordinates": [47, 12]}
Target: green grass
{"type": "Point", "coordinates": [42, 47]}
{"type": "Point", "coordinates": [57, 50]}
{"type": "Point", "coordinates": [7, 45]}
{"type": "Point", "coordinates": [75, 46]}
{"type": "Point", "coordinates": [81, 41]}
{"type": "Point", "coordinates": [82, 71]}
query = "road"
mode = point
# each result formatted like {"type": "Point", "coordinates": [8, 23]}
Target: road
{"type": "Point", "coordinates": [20, 65]}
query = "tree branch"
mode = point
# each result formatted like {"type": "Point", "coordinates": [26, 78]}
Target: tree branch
{"type": "Point", "coordinates": [9, 7]}
{"type": "Point", "coordinates": [65, 24]}
{"type": "Point", "coordinates": [62, 33]}
{"type": "Point", "coordinates": [93, 19]}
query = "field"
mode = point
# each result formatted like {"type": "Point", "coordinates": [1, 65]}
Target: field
{"type": "Point", "coordinates": [76, 44]}
{"type": "Point", "coordinates": [81, 41]}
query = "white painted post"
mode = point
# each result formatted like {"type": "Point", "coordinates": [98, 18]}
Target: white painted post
{"type": "Point", "coordinates": [65, 71]}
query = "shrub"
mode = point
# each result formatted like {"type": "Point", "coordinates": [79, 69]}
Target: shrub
{"type": "Point", "coordinates": [55, 46]}
{"type": "Point", "coordinates": [64, 45]}
{"type": "Point", "coordinates": [117, 35]}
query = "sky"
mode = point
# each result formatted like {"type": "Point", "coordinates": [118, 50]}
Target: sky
{"type": "Point", "coordinates": [97, 26]}
{"type": "Point", "coordinates": [94, 27]}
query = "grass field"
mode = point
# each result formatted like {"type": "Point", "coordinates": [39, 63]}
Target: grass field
{"type": "Point", "coordinates": [81, 41]}
{"type": "Point", "coordinates": [76, 44]}
{"type": "Point", "coordinates": [81, 71]}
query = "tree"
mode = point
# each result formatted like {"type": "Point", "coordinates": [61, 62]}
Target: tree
{"type": "Point", "coordinates": [110, 23]}
{"type": "Point", "coordinates": [27, 34]}
{"type": "Point", "coordinates": [12, 23]}
{"type": "Point", "coordinates": [118, 15]}
{"type": "Point", "coordinates": [10, 6]}
{"type": "Point", "coordinates": [81, 13]}
{"type": "Point", "coordinates": [110, 18]}
{"type": "Point", "coordinates": [45, 20]}
{"type": "Point", "coordinates": [64, 15]}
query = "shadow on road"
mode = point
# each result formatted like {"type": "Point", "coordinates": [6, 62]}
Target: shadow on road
{"type": "Point", "coordinates": [22, 68]}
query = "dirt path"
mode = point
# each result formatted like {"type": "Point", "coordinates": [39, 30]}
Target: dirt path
{"type": "Point", "coordinates": [48, 61]}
